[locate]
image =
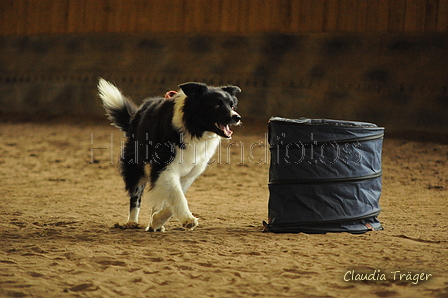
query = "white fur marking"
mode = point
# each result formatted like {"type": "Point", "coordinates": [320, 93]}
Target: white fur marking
{"type": "Point", "coordinates": [178, 115]}
{"type": "Point", "coordinates": [133, 215]}
{"type": "Point", "coordinates": [110, 95]}
{"type": "Point", "coordinates": [172, 184]}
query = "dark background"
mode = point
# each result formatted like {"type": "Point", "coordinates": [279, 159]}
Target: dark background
{"type": "Point", "coordinates": [381, 61]}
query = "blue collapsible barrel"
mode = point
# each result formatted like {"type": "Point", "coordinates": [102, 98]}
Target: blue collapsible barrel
{"type": "Point", "coordinates": [324, 176]}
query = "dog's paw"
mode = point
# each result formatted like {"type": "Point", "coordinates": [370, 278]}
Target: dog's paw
{"type": "Point", "coordinates": [128, 225]}
{"type": "Point", "coordinates": [190, 223]}
{"type": "Point", "coordinates": [151, 229]}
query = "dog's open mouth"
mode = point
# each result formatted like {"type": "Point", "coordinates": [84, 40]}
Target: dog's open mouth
{"type": "Point", "coordinates": [225, 129]}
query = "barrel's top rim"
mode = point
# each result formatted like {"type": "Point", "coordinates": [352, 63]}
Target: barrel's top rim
{"type": "Point", "coordinates": [325, 122]}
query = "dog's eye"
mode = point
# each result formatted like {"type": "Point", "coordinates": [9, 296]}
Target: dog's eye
{"type": "Point", "coordinates": [217, 106]}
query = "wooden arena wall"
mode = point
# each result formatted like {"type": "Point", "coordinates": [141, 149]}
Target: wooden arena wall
{"type": "Point", "coordinates": [383, 61]}
{"type": "Point", "coordinates": [19, 17]}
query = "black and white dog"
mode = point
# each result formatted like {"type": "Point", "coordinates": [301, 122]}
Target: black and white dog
{"type": "Point", "coordinates": [169, 143]}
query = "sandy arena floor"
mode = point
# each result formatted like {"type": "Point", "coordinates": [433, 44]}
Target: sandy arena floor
{"type": "Point", "coordinates": [60, 200]}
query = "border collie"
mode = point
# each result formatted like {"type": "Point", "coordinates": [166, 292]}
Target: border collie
{"type": "Point", "coordinates": [169, 143]}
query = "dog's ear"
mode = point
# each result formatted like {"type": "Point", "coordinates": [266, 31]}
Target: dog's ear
{"type": "Point", "coordinates": [232, 90]}
{"type": "Point", "coordinates": [193, 89]}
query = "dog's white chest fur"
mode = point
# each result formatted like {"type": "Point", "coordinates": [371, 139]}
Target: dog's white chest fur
{"type": "Point", "coordinates": [167, 196]}
{"type": "Point", "coordinates": [192, 160]}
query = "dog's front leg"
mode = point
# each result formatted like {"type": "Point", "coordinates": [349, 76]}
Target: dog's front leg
{"type": "Point", "coordinates": [158, 219]}
{"type": "Point", "coordinates": [167, 193]}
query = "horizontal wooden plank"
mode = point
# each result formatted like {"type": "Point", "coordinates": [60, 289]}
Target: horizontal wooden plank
{"type": "Point", "coordinates": [242, 16]}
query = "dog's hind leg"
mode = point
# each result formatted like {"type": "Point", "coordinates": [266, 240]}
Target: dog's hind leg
{"type": "Point", "coordinates": [135, 181]}
{"type": "Point", "coordinates": [134, 207]}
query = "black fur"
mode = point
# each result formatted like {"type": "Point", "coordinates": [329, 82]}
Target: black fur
{"type": "Point", "coordinates": [121, 117]}
{"type": "Point", "coordinates": [151, 140]}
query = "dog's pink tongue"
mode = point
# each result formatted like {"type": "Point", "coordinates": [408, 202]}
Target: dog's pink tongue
{"type": "Point", "coordinates": [226, 130]}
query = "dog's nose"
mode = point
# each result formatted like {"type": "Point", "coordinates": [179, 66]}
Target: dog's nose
{"type": "Point", "coordinates": [236, 118]}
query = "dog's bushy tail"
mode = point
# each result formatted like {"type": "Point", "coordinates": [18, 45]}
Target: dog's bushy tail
{"type": "Point", "coordinates": [119, 109]}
